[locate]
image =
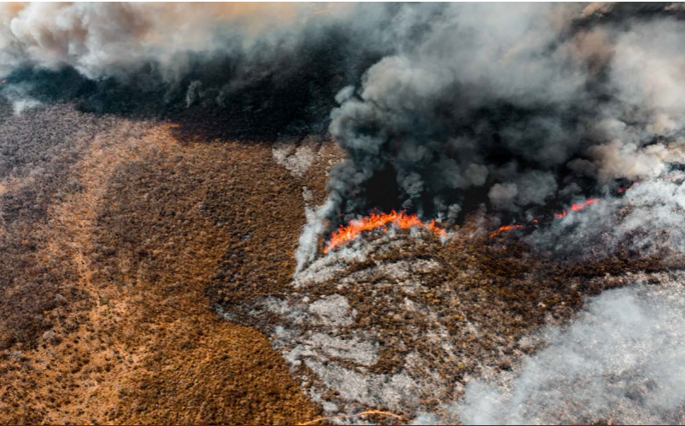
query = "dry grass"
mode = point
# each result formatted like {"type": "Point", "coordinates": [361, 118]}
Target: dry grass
{"type": "Point", "coordinates": [141, 344]}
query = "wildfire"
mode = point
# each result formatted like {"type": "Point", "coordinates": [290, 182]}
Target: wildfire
{"type": "Point", "coordinates": [505, 229]}
{"type": "Point", "coordinates": [405, 221]}
{"type": "Point", "coordinates": [578, 207]}
{"type": "Point", "coordinates": [574, 208]}
{"type": "Point", "coordinates": [376, 221]}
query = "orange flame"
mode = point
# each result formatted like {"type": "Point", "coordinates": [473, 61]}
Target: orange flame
{"type": "Point", "coordinates": [574, 208]}
{"type": "Point", "coordinates": [378, 220]}
{"type": "Point", "coordinates": [581, 206]}
{"type": "Point", "coordinates": [505, 229]}
{"type": "Point", "coordinates": [578, 207]}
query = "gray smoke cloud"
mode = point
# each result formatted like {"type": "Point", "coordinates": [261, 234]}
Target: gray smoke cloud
{"type": "Point", "coordinates": [413, 111]}
{"type": "Point", "coordinates": [646, 220]}
{"type": "Point", "coordinates": [116, 39]}
{"type": "Point", "coordinates": [533, 97]}
{"type": "Point", "coordinates": [619, 362]}
{"type": "Point", "coordinates": [535, 106]}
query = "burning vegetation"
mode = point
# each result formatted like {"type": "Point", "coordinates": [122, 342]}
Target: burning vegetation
{"type": "Point", "coordinates": [577, 207]}
{"type": "Point", "coordinates": [375, 221]}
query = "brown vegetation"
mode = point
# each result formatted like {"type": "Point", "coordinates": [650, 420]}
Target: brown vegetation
{"type": "Point", "coordinates": [109, 246]}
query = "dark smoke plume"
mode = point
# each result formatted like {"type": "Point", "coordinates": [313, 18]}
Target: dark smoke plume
{"type": "Point", "coordinates": [441, 108]}
{"type": "Point", "coordinates": [518, 107]}
{"type": "Point", "coordinates": [519, 100]}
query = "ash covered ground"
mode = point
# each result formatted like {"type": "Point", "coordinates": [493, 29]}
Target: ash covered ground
{"type": "Point", "coordinates": [165, 213]}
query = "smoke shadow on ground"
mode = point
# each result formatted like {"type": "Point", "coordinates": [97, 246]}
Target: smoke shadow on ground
{"type": "Point", "coordinates": [224, 97]}
{"type": "Point", "coordinates": [256, 116]}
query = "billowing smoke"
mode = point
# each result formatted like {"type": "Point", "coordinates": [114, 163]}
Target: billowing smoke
{"type": "Point", "coordinates": [118, 39]}
{"type": "Point", "coordinates": [518, 100]}
{"type": "Point", "coordinates": [618, 363]}
{"type": "Point", "coordinates": [440, 108]}
{"type": "Point", "coordinates": [518, 107]}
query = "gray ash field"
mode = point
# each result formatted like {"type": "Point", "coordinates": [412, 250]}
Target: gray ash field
{"type": "Point", "coordinates": [194, 206]}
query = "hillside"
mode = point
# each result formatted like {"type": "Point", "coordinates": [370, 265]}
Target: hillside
{"type": "Point", "coordinates": [145, 272]}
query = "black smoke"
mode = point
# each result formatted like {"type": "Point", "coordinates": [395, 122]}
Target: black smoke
{"type": "Point", "coordinates": [518, 108]}
{"type": "Point", "coordinates": [527, 103]}
{"type": "Point", "coordinates": [440, 108]}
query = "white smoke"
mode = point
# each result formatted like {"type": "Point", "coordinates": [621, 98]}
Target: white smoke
{"type": "Point", "coordinates": [619, 362]}
{"type": "Point", "coordinates": [308, 247]}
{"type": "Point", "coordinates": [647, 219]}
{"type": "Point", "coordinates": [116, 39]}
{"type": "Point", "coordinates": [18, 95]}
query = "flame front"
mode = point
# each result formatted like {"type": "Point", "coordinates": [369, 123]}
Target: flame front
{"type": "Point", "coordinates": [376, 221]}
{"type": "Point", "coordinates": [505, 229]}
{"type": "Point", "coordinates": [578, 207]}
{"type": "Point", "coordinates": [574, 208]}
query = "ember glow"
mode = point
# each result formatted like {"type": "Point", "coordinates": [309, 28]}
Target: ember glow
{"type": "Point", "coordinates": [376, 221]}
